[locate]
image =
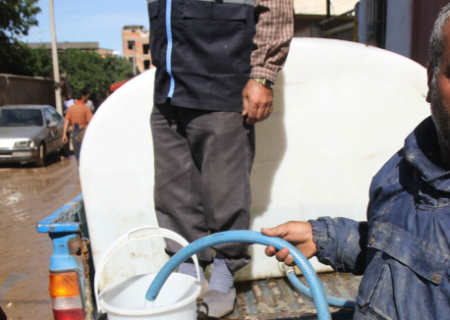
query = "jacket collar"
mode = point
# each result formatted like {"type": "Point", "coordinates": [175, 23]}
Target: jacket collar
{"type": "Point", "coordinates": [422, 152]}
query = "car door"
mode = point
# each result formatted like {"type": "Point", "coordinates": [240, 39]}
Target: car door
{"type": "Point", "coordinates": [59, 120]}
{"type": "Point", "coordinates": [52, 131]}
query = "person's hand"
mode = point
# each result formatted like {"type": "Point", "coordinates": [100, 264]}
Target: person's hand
{"type": "Point", "coordinates": [64, 139]}
{"type": "Point", "coordinates": [256, 102]}
{"type": "Point", "coordinates": [299, 234]}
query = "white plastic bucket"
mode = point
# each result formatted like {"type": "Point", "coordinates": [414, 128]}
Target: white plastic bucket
{"type": "Point", "coordinates": [125, 300]}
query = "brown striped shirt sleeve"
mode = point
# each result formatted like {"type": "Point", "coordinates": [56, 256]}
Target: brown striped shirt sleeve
{"type": "Point", "coordinates": [274, 31]}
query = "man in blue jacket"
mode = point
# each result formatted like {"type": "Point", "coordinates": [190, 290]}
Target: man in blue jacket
{"type": "Point", "coordinates": [403, 249]}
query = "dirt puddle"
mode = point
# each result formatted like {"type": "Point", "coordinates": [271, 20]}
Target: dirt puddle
{"type": "Point", "coordinates": [27, 195]}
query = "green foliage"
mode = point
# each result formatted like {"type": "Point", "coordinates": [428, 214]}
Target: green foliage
{"type": "Point", "coordinates": [16, 18]}
{"type": "Point", "coordinates": [88, 70]}
{"type": "Point", "coordinates": [118, 68]}
{"type": "Point", "coordinates": [40, 62]}
{"type": "Point", "coordinates": [18, 58]}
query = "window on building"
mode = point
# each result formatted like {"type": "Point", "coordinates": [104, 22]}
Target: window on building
{"type": "Point", "coordinates": [130, 45]}
{"type": "Point", "coordinates": [130, 59]}
{"type": "Point", "coordinates": [146, 64]}
{"type": "Point", "coordinates": [145, 48]}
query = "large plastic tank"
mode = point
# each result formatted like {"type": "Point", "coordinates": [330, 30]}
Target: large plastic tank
{"type": "Point", "coordinates": [341, 110]}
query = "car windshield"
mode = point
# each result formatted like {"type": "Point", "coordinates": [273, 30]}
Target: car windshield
{"type": "Point", "coordinates": [21, 118]}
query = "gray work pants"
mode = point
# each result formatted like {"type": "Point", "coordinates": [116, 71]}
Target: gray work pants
{"type": "Point", "coordinates": [75, 143]}
{"type": "Point", "coordinates": [203, 161]}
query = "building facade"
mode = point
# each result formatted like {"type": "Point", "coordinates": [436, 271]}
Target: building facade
{"type": "Point", "coordinates": [400, 26]}
{"type": "Point", "coordinates": [135, 44]}
{"type": "Point", "coordinates": [405, 25]}
{"type": "Point", "coordinates": [82, 46]}
{"type": "Point", "coordinates": [325, 19]}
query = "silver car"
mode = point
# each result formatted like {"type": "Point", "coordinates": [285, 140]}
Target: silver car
{"type": "Point", "coordinates": [28, 133]}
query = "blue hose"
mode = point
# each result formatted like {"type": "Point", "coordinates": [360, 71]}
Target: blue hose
{"type": "Point", "coordinates": [310, 275]}
{"type": "Point", "coordinates": [333, 301]}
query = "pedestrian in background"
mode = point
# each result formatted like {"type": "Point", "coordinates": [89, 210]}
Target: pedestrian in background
{"type": "Point", "coordinates": [78, 116]}
{"type": "Point", "coordinates": [66, 93]}
{"type": "Point", "coordinates": [217, 62]}
{"type": "Point", "coordinates": [90, 105]}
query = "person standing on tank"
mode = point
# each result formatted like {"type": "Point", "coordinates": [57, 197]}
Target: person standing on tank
{"type": "Point", "coordinates": [217, 62]}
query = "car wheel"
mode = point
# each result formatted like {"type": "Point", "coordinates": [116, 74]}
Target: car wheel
{"type": "Point", "coordinates": [41, 161]}
{"type": "Point", "coordinates": [65, 150]}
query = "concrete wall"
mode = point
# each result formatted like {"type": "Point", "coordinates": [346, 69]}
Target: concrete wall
{"type": "Point", "coordinates": [26, 90]}
{"type": "Point", "coordinates": [399, 19]}
{"type": "Point", "coordinates": [425, 13]}
{"type": "Point", "coordinates": [366, 18]}
{"type": "Point", "coordinates": [308, 32]}
{"type": "Point", "coordinates": [399, 27]}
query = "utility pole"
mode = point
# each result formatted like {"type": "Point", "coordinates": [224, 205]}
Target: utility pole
{"type": "Point", "coordinates": [55, 60]}
{"type": "Point", "coordinates": [328, 9]}
{"type": "Point", "coordinates": [134, 58]}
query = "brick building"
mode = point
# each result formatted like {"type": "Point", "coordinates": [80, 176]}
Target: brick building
{"type": "Point", "coordinates": [135, 43]}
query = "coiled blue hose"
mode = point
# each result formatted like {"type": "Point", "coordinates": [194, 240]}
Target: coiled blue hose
{"type": "Point", "coordinates": [310, 275]}
{"type": "Point", "coordinates": [332, 301]}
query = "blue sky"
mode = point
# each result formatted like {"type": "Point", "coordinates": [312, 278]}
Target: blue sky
{"type": "Point", "coordinates": [89, 20]}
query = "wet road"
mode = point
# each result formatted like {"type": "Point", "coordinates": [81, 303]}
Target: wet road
{"type": "Point", "coordinates": [27, 195]}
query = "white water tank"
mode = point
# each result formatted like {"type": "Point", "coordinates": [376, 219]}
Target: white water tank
{"type": "Point", "coordinates": [342, 109]}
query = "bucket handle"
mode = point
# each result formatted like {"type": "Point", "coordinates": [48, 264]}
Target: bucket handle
{"type": "Point", "coordinates": [133, 235]}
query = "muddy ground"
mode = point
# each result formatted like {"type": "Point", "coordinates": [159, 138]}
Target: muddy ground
{"type": "Point", "coordinates": [27, 195]}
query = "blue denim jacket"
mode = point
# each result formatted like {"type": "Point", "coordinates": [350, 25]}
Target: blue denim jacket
{"type": "Point", "coordinates": [403, 249]}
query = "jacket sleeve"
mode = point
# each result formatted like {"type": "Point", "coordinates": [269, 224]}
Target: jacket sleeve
{"type": "Point", "coordinates": [274, 31]}
{"type": "Point", "coordinates": [341, 243]}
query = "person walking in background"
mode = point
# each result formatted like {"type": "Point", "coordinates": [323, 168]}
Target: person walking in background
{"type": "Point", "coordinates": [216, 65]}
{"type": "Point", "coordinates": [66, 93]}
{"type": "Point", "coordinates": [90, 104]}
{"type": "Point", "coordinates": [78, 116]}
